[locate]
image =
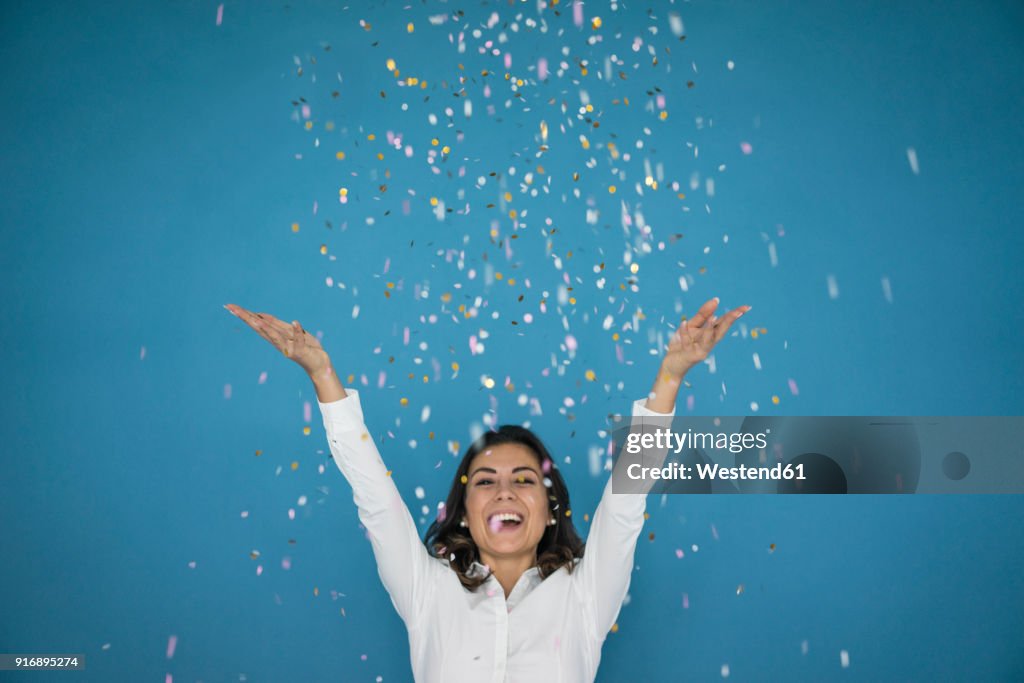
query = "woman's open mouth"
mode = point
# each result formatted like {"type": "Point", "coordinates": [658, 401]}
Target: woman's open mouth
{"type": "Point", "coordinates": [504, 521]}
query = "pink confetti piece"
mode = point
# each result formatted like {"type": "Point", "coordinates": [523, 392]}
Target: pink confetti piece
{"type": "Point", "coordinates": [405, 337]}
{"type": "Point", "coordinates": [172, 642]}
{"type": "Point", "coordinates": [746, 147]}
{"type": "Point", "coordinates": [259, 570]}
{"type": "Point", "coordinates": [558, 643]}
{"type": "Point", "coordinates": [362, 657]}
{"type": "Point", "coordinates": [714, 532]}
{"type": "Point", "coordinates": [169, 679]}
{"type": "Point", "coordinates": [291, 513]}
{"type": "Point", "coordinates": [142, 353]}
{"type": "Point", "coordinates": [245, 514]}
{"type": "Point", "coordinates": [286, 563]}
{"type": "Point", "coordinates": [542, 68]}
{"type": "Point", "coordinates": [227, 391]}
{"type": "Point", "coordinates": [220, 19]}
{"type": "Point", "coordinates": [305, 111]}
{"type": "Point", "coordinates": [577, 13]}
{"type": "Point", "coordinates": [307, 411]}
{"type": "Point", "coordinates": [618, 354]}
{"type": "Point", "coordinates": [679, 553]}
{"type": "Point", "coordinates": [570, 342]}
{"type": "Point", "coordinates": [793, 388]}
{"type": "Point", "coordinates": [689, 402]}
{"type": "Point", "coordinates": [192, 564]}
{"type": "Point", "coordinates": [381, 378]}
{"type": "Point", "coordinates": [387, 265]}
{"type": "Point", "coordinates": [263, 377]}
{"type": "Point", "coordinates": [508, 60]}
{"type": "Point", "coordinates": [686, 601]}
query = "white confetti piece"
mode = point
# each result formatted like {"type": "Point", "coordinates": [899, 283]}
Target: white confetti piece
{"type": "Point", "coordinates": [912, 158]}
{"type": "Point", "coordinates": [833, 287]}
{"type": "Point", "coordinates": [886, 289]}
{"type": "Point", "coordinates": [844, 658]}
{"type": "Point", "coordinates": [675, 22]}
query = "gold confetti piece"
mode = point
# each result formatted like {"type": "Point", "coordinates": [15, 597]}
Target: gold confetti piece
{"type": "Point", "coordinates": [259, 453]}
{"type": "Point", "coordinates": [508, 196]}
{"type": "Point", "coordinates": [295, 465]}
{"type": "Point", "coordinates": [611, 189]}
{"type": "Point", "coordinates": [615, 336]}
{"type": "Point", "coordinates": [647, 515]}
{"type": "Point", "coordinates": [323, 248]}
{"type": "Point", "coordinates": [488, 382]}
{"type": "Point", "coordinates": [663, 115]}
{"type": "Point", "coordinates": [390, 64]}
{"type": "Point", "coordinates": [295, 227]}
{"type": "Point", "coordinates": [435, 142]}
{"type": "Point", "coordinates": [305, 431]}
{"type": "Point", "coordinates": [389, 472]}
{"type": "Point", "coordinates": [650, 536]}
{"type": "Point", "coordinates": [590, 375]}
{"type": "Point", "coordinates": [455, 367]}
{"type": "Point", "coordinates": [586, 518]}
{"type": "Point", "coordinates": [568, 513]}
{"type": "Point", "coordinates": [343, 191]}
{"type": "Point", "coordinates": [371, 137]}
{"type": "Point", "coordinates": [445, 150]}
{"type": "Point", "coordinates": [771, 547]}
{"type": "Point", "coordinates": [340, 156]}
{"type": "Point", "coordinates": [404, 401]}
{"type": "Point", "coordinates": [410, 27]}
{"type": "Point", "coordinates": [615, 628]}
{"type": "Point", "coordinates": [309, 125]}
{"type": "Point", "coordinates": [634, 268]}
{"type": "Point", "coordinates": [775, 400]}
{"type": "Point", "coordinates": [433, 201]}
{"type": "Point", "coordinates": [464, 479]}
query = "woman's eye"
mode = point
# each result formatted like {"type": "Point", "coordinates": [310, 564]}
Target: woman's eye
{"type": "Point", "coordinates": [481, 482]}
{"type": "Point", "coordinates": [522, 480]}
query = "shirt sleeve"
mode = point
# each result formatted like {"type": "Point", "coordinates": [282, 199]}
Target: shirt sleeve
{"type": "Point", "coordinates": [604, 572]}
{"type": "Point", "coordinates": [403, 562]}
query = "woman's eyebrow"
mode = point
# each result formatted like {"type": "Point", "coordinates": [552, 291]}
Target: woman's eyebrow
{"type": "Point", "coordinates": [494, 471]}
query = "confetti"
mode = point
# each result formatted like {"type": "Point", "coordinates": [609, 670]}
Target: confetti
{"type": "Point", "coordinates": [172, 643]}
{"type": "Point", "coordinates": [912, 159]}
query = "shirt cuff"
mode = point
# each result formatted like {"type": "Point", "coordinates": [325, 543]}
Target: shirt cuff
{"type": "Point", "coordinates": [640, 408]}
{"type": "Point", "coordinates": [345, 414]}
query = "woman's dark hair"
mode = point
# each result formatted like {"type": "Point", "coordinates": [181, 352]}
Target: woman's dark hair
{"type": "Point", "coordinates": [559, 546]}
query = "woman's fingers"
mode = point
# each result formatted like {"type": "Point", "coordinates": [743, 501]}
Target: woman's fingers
{"type": "Point", "coordinates": [702, 315]}
{"type": "Point", "coordinates": [722, 328]}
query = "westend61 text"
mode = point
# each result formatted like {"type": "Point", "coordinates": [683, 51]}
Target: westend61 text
{"type": "Point", "coordinates": [714, 471]}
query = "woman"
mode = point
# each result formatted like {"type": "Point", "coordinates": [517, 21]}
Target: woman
{"type": "Point", "coordinates": [500, 589]}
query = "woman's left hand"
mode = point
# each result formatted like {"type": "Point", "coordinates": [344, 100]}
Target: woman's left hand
{"type": "Point", "coordinates": [695, 338]}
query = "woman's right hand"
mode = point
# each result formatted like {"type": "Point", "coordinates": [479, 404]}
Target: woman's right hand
{"type": "Point", "coordinates": [291, 340]}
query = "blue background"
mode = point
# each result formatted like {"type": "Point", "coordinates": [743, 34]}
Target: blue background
{"type": "Point", "coordinates": [154, 164]}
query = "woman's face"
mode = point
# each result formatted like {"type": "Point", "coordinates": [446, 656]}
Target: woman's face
{"type": "Point", "coordinates": [506, 479]}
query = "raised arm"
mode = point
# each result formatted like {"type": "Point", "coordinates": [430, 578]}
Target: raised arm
{"type": "Point", "coordinates": [402, 560]}
{"type": "Point", "coordinates": [604, 573]}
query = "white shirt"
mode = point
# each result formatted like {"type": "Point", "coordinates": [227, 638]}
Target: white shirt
{"type": "Point", "coordinates": [547, 630]}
